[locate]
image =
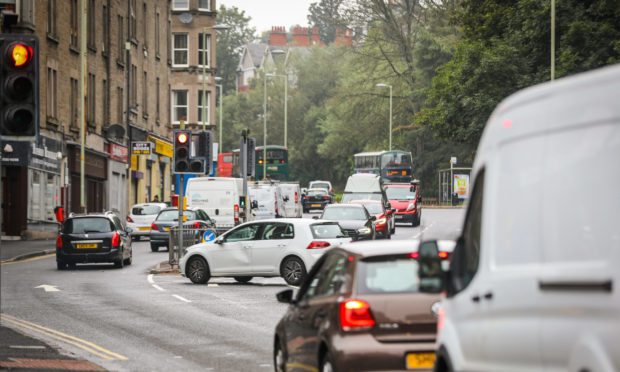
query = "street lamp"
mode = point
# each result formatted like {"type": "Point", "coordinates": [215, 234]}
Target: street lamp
{"type": "Point", "coordinates": [221, 27]}
{"type": "Point", "coordinates": [388, 86]}
{"type": "Point", "coordinates": [275, 51]}
{"type": "Point", "coordinates": [219, 147]}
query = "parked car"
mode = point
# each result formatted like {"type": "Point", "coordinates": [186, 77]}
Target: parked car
{"type": "Point", "coordinates": [266, 200]}
{"type": "Point", "coordinates": [286, 247]}
{"type": "Point", "coordinates": [316, 199]}
{"type": "Point", "coordinates": [361, 309]}
{"type": "Point", "coordinates": [167, 218]}
{"type": "Point", "coordinates": [140, 218]}
{"type": "Point", "coordinates": [291, 196]}
{"type": "Point", "coordinates": [533, 279]}
{"type": "Point", "coordinates": [94, 237]}
{"type": "Point", "coordinates": [384, 223]}
{"type": "Point", "coordinates": [322, 185]}
{"type": "Point", "coordinates": [353, 218]}
{"type": "Point", "coordinates": [405, 198]}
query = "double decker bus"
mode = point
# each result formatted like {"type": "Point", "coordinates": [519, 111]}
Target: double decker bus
{"type": "Point", "coordinates": [392, 166]}
{"type": "Point", "coordinates": [224, 164]}
{"type": "Point", "coordinates": [277, 163]}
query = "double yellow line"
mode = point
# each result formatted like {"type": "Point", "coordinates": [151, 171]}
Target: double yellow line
{"type": "Point", "coordinates": [82, 344]}
{"type": "Point", "coordinates": [28, 259]}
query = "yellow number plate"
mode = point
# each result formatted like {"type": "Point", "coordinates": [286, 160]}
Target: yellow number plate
{"type": "Point", "coordinates": [166, 229]}
{"type": "Point", "coordinates": [85, 246]}
{"type": "Point", "coordinates": [144, 228]}
{"type": "Point", "coordinates": [420, 360]}
{"type": "Point", "coordinates": [315, 205]}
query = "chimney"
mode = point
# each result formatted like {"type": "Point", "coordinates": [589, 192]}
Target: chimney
{"type": "Point", "coordinates": [301, 37]}
{"type": "Point", "coordinates": [316, 38]}
{"type": "Point", "coordinates": [343, 37]}
{"type": "Point", "coordinates": [277, 36]}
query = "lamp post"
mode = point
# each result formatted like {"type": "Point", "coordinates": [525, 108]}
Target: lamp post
{"type": "Point", "coordinates": [388, 86]}
{"type": "Point", "coordinates": [221, 141]}
{"type": "Point", "coordinates": [204, 68]}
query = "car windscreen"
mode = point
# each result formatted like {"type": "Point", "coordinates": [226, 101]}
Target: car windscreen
{"type": "Point", "coordinates": [173, 215]}
{"type": "Point", "coordinates": [400, 193]}
{"type": "Point", "coordinates": [373, 208]}
{"type": "Point", "coordinates": [327, 231]}
{"type": "Point", "coordinates": [388, 274]}
{"type": "Point", "coordinates": [87, 225]}
{"type": "Point", "coordinates": [360, 196]}
{"type": "Point", "coordinates": [320, 185]}
{"type": "Point", "coordinates": [339, 213]}
{"type": "Point", "coordinates": [145, 210]}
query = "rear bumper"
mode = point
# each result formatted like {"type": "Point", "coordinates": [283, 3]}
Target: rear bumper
{"type": "Point", "coordinates": [315, 205]}
{"type": "Point", "coordinates": [111, 256]}
{"type": "Point", "coordinates": [159, 237]}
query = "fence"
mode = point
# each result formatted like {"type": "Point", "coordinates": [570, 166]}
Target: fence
{"type": "Point", "coordinates": [190, 237]}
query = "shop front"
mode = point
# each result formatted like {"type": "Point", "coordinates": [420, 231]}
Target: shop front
{"type": "Point", "coordinates": [117, 178]}
{"type": "Point", "coordinates": [95, 177]}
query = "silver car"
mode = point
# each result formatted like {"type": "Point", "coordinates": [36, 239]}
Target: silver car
{"type": "Point", "coordinates": [140, 218]}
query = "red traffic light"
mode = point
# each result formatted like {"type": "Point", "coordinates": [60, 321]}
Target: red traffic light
{"type": "Point", "coordinates": [20, 54]}
{"type": "Point", "coordinates": [182, 138]}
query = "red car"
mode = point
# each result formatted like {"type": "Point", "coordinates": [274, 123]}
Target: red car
{"type": "Point", "coordinates": [404, 197]}
{"type": "Point", "coordinates": [384, 223]}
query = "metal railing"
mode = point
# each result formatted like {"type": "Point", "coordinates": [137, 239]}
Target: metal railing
{"type": "Point", "coordinates": [191, 236]}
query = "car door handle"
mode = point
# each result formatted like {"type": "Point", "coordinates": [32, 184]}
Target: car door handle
{"type": "Point", "coordinates": [476, 298]}
{"type": "Point", "coordinates": [488, 296]}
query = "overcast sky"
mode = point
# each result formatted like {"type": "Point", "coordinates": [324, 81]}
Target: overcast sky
{"type": "Point", "coordinates": [267, 13]}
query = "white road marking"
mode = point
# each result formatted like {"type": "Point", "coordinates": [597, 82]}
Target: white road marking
{"type": "Point", "coordinates": [181, 298]}
{"type": "Point", "coordinates": [158, 288]}
{"type": "Point", "coordinates": [213, 285]}
{"type": "Point", "coordinates": [49, 288]}
{"type": "Point", "coordinates": [150, 279]}
{"type": "Point", "coordinates": [33, 347]}
{"type": "Point", "coordinates": [264, 365]}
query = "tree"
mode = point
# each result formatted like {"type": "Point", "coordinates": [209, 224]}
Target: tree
{"type": "Point", "coordinates": [327, 16]}
{"type": "Point", "coordinates": [230, 43]}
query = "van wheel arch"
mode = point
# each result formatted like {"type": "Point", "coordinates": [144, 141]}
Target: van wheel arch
{"type": "Point", "coordinates": [443, 363]}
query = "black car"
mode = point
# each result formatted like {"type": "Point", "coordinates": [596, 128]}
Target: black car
{"type": "Point", "coordinates": [316, 199]}
{"type": "Point", "coordinates": [196, 219]}
{"type": "Point", "coordinates": [90, 238]}
{"type": "Point", "coordinates": [353, 218]}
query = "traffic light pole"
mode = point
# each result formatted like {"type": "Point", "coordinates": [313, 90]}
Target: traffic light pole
{"type": "Point", "coordinates": [180, 206]}
{"type": "Point", "coordinates": [244, 171]}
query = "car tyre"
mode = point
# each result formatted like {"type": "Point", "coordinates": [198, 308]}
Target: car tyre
{"type": "Point", "coordinates": [61, 265]}
{"type": "Point", "coordinates": [279, 357]}
{"type": "Point", "coordinates": [129, 259]}
{"type": "Point", "coordinates": [243, 279]}
{"type": "Point", "coordinates": [327, 365]}
{"type": "Point", "coordinates": [197, 270]}
{"type": "Point", "coordinates": [119, 263]}
{"type": "Point", "coordinates": [154, 247]}
{"type": "Point", "coordinates": [388, 234]}
{"type": "Point", "coordinates": [293, 271]}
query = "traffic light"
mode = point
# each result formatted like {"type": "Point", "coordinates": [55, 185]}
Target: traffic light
{"type": "Point", "coordinates": [19, 87]}
{"type": "Point", "coordinates": [182, 141]}
{"type": "Point", "coordinates": [251, 146]}
{"type": "Point", "coordinates": [201, 163]}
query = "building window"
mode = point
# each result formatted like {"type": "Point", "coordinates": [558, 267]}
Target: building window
{"type": "Point", "coordinates": [181, 50]}
{"type": "Point", "coordinates": [121, 41]}
{"type": "Point", "coordinates": [26, 11]}
{"type": "Point", "coordinates": [106, 102]}
{"type": "Point", "coordinates": [201, 49]}
{"type": "Point", "coordinates": [52, 93]}
{"type": "Point", "coordinates": [157, 100]}
{"type": "Point", "coordinates": [132, 21]}
{"type": "Point", "coordinates": [157, 35]}
{"type": "Point", "coordinates": [180, 4]}
{"type": "Point", "coordinates": [145, 101]}
{"type": "Point", "coordinates": [73, 119]}
{"type": "Point", "coordinates": [90, 99]}
{"type": "Point", "coordinates": [133, 98]}
{"type": "Point", "coordinates": [206, 107]}
{"type": "Point", "coordinates": [179, 106]}
{"type": "Point", "coordinates": [204, 5]}
{"type": "Point", "coordinates": [168, 42]}
{"type": "Point", "coordinates": [74, 24]}
{"type": "Point", "coordinates": [145, 29]}
{"type": "Point", "coordinates": [90, 39]}
{"type": "Point", "coordinates": [51, 18]}
{"type": "Point", "coordinates": [106, 30]}
{"type": "Point", "coordinates": [119, 105]}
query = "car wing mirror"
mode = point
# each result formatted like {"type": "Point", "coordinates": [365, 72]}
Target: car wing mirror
{"type": "Point", "coordinates": [286, 296]}
{"type": "Point", "coordinates": [219, 240]}
{"type": "Point", "coordinates": [373, 218]}
{"type": "Point", "coordinates": [315, 217]}
{"type": "Point", "coordinates": [430, 272]}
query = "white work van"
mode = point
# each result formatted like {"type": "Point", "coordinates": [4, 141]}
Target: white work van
{"type": "Point", "coordinates": [365, 186]}
{"type": "Point", "coordinates": [534, 281]}
{"type": "Point", "coordinates": [265, 200]}
{"type": "Point", "coordinates": [291, 195]}
{"type": "Point", "coordinates": [218, 196]}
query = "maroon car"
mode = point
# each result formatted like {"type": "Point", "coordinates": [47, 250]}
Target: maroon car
{"type": "Point", "coordinates": [361, 309]}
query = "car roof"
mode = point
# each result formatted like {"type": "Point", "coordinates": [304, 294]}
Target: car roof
{"type": "Point", "coordinates": [160, 204]}
{"type": "Point", "coordinates": [344, 206]}
{"type": "Point", "coordinates": [371, 248]}
{"type": "Point", "coordinates": [365, 201]}
{"type": "Point", "coordinates": [317, 189]}
{"type": "Point", "coordinates": [176, 209]}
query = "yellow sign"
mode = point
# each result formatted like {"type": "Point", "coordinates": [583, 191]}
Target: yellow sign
{"type": "Point", "coordinates": [134, 162]}
{"type": "Point", "coordinates": [162, 148]}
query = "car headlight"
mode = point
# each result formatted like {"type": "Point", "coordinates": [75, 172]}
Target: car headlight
{"type": "Point", "coordinates": [380, 221]}
{"type": "Point", "coordinates": [411, 207]}
{"type": "Point", "coordinates": [364, 230]}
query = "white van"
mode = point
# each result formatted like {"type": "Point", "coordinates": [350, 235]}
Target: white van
{"type": "Point", "coordinates": [265, 201]}
{"type": "Point", "coordinates": [534, 280]}
{"type": "Point", "coordinates": [218, 196]}
{"type": "Point", "coordinates": [291, 195]}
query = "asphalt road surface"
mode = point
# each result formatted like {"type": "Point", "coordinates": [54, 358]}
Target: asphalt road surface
{"type": "Point", "coordinates": [129, 320]}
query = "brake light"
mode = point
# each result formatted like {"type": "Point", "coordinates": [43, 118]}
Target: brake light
{"type": "Point", "coordinates": [414, 255]}
{"type": "Point", "coordinates": [441, 317]}
{"type": "Point", "coordinates": [317, 244]}
{"type": "Point", "coordinates": [307, 197]}
{"type": "Point", "coordinates": [443, 254]}
{"type": "Point", "coordinates": [116, 239]}
{"type": "Point", "coordinates": [236, 213]}
{"type": "Point", "coordinates": [154, 227]}
{"type": "Point", "coordinates": [129, 219]}
{"type": "Point", "coordinates": [296, 197]}
{"type": "Point", "coordinates": [355, 315]}
{"type": "Point", "coordinates": [196, 225]}
{"type": "Point", "coordinates": [58, 242]}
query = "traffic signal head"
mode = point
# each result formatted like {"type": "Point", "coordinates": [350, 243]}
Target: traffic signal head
{"type": "Point", "coordinates": [204, 152]}
{"type": "Point", "coordinates": [181, 160]}
{"type": "Point", "coordinates": [251, 151]}
{"type": "Point", "coordinates": [19, 87]}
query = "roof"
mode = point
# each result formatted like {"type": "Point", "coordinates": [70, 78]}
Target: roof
{"type": "Point", "coordinates": [331, 206]}
{"type": "Point", "coordinates": [382, 247]}
{"type": "Point", "coordinates": [256, 52]}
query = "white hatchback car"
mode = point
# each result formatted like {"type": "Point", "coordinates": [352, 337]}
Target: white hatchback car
{"type": "Point", "coordinates": [286, 247]}
{"type": "Point", "coordinates": [141, 217]}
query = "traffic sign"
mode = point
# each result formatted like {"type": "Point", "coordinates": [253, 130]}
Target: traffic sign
{"type": "Point", "coordinates": [208, 236]}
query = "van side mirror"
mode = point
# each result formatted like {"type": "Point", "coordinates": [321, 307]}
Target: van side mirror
{"type": "Point", "coordinates": [254, 204]}
{"type": "Point", "coordinates": [373, 218]}
{"type": "Point", "coordinates": [430, 271]}
{"type": "Point", "coordinates": [286, 296]}
{"type": "Point", "coordinates": [285, 198]}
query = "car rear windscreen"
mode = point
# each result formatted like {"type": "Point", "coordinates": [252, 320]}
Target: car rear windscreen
{"type": "Point", "coordinates": [391, 274]}
{"type": "Point", "coordinates": [87, 225]}
{"type": "Point", "coordinates": [374, 208]}
{"type": "Point", "coordinates": [340, 213]}
{"type": "Point", "coordinates": [173, 215]}
{"type": "Point", "coordinates": [145, 210]}
{"type": "Point", "coordinates": [320, 185]}
{"type": "Point", "coordinates": [327, 231]}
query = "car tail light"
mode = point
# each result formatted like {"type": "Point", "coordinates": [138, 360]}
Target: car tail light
{"type": "Point", "coordinates": [307, 197]}
{"type": "Point", "coordinates": [154, 227]}
{"type": "Point", "coordinates": [116, 239]}
{"type": "Point", "coordinates": [414, 255]}
{"type": "Point", "coordinates": [296, 198]}
{"type": "Point", "coordinates": [325, 196]}
{"type": "Point", "coordinates": [196, 225]}
{"type": "Point", "coordinates": [236, 213]}
{"type": "Point", "coordinates": [355, 315]}
{"type": "Point", "coordinates": [58, 242]}
{"type": "Point", "coordinates": [317, 244]}
{"type": "Point", "coordinates": [443, 254]}
{"type": "Point", "coordinates": [441, 318]}
{"type": "Point", "coordinates": [129, 219]}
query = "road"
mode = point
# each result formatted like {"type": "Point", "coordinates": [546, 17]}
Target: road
{"type": "Point", "coordinates": [129, 320]}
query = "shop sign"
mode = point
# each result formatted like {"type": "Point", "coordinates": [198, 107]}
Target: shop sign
{"type": "Point", "coordinates": [163, 148]}
{"type": "Point", "coordinates": [15, 153]}
{"type": "Point", "coordinates": [45, 154]}
{"type": "Point", "coordinates": [141, 148]}
{"type": "Point", "coordinates": [118, 153]}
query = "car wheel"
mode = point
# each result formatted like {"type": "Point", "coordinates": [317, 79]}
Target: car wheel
{"type": "Point", "coordinates": [61, 265]}
{"type": "Point", "coordinates": [293, 271]}
{"type": "Point", "coordinates": [243, 279]}
{"type": "Point", "coordinates": [154, 248]}
{"type": "Point", "coordinates": [279, 357]}
{"type": "Point", "coordinates": [197, 270]}
{"type": "Point", "coordinates": [414, 221]}
{"type": "Point", "coordinates": [388, 234]}
{"type": "Point", "coordinates": [129, 259]}
{"type": "Point", "coordinates": [393, 228]}
{"type": "Point", "coordinates": [326, 364]}
{"type": "Point", "coordinates": [119, 263]}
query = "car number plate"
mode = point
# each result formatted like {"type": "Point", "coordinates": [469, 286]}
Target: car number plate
{"type": "Point", "coordinates": [166, 229]}
{"type": "Point", "coordinates": [86, 246]}
{"type": "Point", "coordinates": [315, 205]}
{"type": "Point", "coordinates": [144, 228]}
{"type": "Point", "coordinates": [399, 216]}
{"type": "Point", "coordinates": [420, 360]}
